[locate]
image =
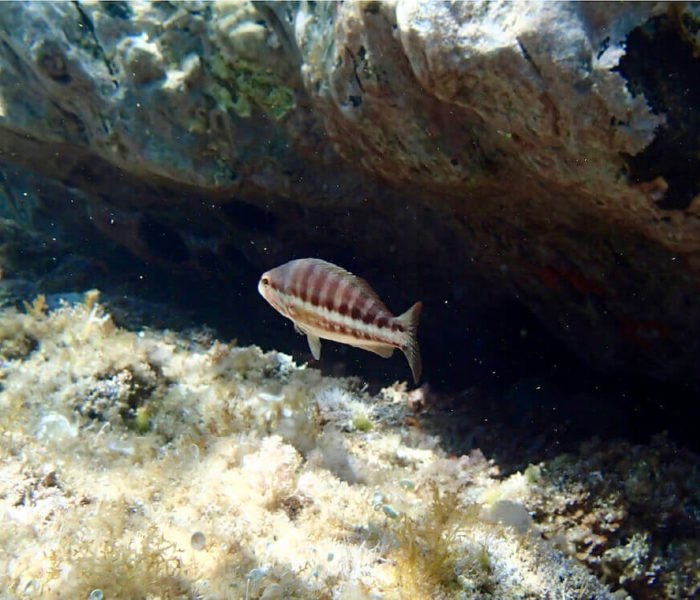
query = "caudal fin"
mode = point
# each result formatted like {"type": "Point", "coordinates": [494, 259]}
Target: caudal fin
{"type": "Point", "coordinates": [409, 320]}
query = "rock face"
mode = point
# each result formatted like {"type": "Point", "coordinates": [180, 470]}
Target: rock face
{"type": "Point", "coordinates": [271, 481]}
{"type": "Point", "coordinates": [549, 148]}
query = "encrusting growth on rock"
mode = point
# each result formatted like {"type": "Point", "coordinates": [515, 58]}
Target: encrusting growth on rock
{"type": "Point", "coordinates": [245, 478]}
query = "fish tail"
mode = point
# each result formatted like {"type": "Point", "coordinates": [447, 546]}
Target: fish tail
{"type": "Point", "coordinates": [409, 320]}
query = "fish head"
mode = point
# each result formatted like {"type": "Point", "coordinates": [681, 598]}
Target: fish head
{"type": "Point", "coordinates": [269, 288]}
{"type": "Point", "coordinates": [264, 287]}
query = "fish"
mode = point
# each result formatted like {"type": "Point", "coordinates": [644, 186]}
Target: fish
{"type": "Point", "coordinates": [324, 301]}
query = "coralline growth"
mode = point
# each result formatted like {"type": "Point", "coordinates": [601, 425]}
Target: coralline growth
{"type": "Point", "coordinates": [149, 465]}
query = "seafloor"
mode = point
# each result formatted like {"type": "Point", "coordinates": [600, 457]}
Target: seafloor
{"type": "Point", "coordinates": [151, 464]}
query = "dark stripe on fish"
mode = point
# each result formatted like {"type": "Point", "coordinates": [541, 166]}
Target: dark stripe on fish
{"type": "Point", "coordinates": [326, 301]}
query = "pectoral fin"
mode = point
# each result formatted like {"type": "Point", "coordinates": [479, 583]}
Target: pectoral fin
{"type": "Point", "coordinates": [384, 350]}
{"type": "Point", "coordinates": [314, 345]}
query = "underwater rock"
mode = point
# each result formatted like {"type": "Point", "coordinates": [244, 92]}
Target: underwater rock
{"type": "Point", "coordinates": [538, 146]}
{"type": "Point", "coordinates": [630, 512]}
{"type": "Point", "coordinates": [228, 479]}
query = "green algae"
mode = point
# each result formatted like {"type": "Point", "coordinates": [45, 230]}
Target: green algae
{"type": "Point", "coordinates": [252, 85]}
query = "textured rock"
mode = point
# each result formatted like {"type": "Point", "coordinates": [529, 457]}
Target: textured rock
{"type": "Point", "coordinates": [523, 140]}
{"type": "Point", "coordinates": [514, 122]}
{"type": "Point", "coordinates": [614, 508]}
{"type": "Point", "coordinates": [144, 85]}
{"type": "Point", "coordinates": [144, 463]}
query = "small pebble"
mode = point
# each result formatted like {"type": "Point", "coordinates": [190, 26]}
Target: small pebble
{"type": "Point", "coordinates": [272, 592]}
{"type": "Point", "coordinates": [255, 575]}
{"type": "Point", "coordinates": [96, 595]}
{"type": "Point", "coordinates": [198, 540]}
{"type": "Point", "coordinates": [390, 512]}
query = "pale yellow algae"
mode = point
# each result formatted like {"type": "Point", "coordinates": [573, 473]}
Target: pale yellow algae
{"type": "Point", "coordinates": [149, 465]}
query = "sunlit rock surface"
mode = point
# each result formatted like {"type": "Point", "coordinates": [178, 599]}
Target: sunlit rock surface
{"type": "Point", "coordinates": [538, 146]}
{"type": "Point", "coordinates": [153, 464]}
{"type": "Point", "coordinates": [481, 157]}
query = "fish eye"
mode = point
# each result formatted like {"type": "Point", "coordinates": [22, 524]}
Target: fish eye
{"type": "Point", "coordinates": [265, 281]}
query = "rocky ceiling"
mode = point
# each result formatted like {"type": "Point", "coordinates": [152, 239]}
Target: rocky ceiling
{"type": "Point", "coordinates": [528, 170]}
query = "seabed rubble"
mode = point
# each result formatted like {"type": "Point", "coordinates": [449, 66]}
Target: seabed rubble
{"type": "Point", "coordinates": [152, 464]}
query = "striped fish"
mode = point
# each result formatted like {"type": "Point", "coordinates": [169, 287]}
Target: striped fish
{"type": "Point", "coordinates": [325, 301]}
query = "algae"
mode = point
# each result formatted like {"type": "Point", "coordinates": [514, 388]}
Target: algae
{"type": "Point", "coordinates": [152, 464]}
{"type": "Point", "coordinates": [252, 85]}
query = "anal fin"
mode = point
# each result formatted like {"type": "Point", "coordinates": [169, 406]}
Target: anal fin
{"type": "Point", "coordinates": [384, 350]}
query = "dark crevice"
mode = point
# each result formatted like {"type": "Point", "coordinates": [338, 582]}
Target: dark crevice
{"type": "Point", "coordinates": [528, 58]}
{"type": "Point", "coordinates": [163, 242]}
{"type": "Point", "coordinates": [662, 63]}
{"type": "Point", "coordinates": [118, 9]}
{"type": "Point", "coordinates": [354, 69]}
{"type": "Point", "coordinates": [273, 13]}
{"type": "Point", "coordinates": [87, 23]}
{"type": "Point", "coordinates": [248, 217]}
